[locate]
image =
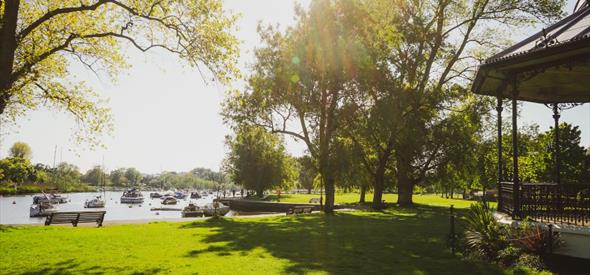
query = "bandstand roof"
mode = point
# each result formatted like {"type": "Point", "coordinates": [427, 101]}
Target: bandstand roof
{"type": "Point", "coordinates": [551, 66]}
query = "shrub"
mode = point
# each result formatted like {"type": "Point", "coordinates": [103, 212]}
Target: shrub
{"type": "Point", "coordinates": [508, 256]}
{"type": "Point", "coordinates": [531, 261]}
{"type": "Point", "coordinates": [534, 239]}
{"type": "Point", "coordinates": [484, 235]}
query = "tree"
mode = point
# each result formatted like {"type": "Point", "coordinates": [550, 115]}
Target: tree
{"type": "Point", "coordinates": [299, 81]}
{"type": "Point", "coordinates": [40, 39]}
{"type": "Point", "coordinates": [133, 176]}
{"type": "Point", "coordinates": [66, 175]}
{"type": "Point", "coordinates": [572, 156]}
{"type": "Point", "coordinates": [21, 150]}
{"type": "Point", "coordinates": [95, 176]}
{"type": "Point", "coordinates": [257, 160]}
{"type": "Point", "coordinates": [307, 172]}
{"type": "Point", "coordinates": [118, 177]}
{"type": "Point", "coordinates": [442, 40]}
{"type": "Point", "coordinates": [17, 171]}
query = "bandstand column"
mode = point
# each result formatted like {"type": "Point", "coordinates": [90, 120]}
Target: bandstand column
{"type": "Point", "coordinates": [499, 185]}
{"type": "Point", "coordinates": [515, 179]}
{"type": "Point", "coordinates": [557, 149]}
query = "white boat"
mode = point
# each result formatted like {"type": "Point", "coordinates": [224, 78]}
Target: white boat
{"type": "Point", "coordinates": [57, 198]}
{"type": "Point", "coordinates": [215, 208]}
{"type": "Point", "coordinates": [132, 196]}
{"type": "Point", "coordinates": [97, 202]}
{"type": "Point", "coordinates": [42, 209]}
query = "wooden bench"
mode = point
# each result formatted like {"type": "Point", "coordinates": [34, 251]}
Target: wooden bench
{"type": "Point", "coordinates": [76, 217]}
{"type": "Point", "coordinates": [299, 210]}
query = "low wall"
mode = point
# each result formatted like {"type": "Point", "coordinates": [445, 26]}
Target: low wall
{"type": "Point", "coordinates": [576, 238]}
{"type": "Point", "coordinates": [263, 206]}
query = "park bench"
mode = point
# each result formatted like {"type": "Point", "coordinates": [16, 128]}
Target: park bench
{"type": "Point", "coordinates": [76, 217]}
{"type": "Point", "coordinates": [299, 210]}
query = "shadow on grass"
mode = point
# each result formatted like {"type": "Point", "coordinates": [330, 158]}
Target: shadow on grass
{"type": "Point", "coordinates": [67, 267]}
{"type": "Point", "coordinates": [395, 241]}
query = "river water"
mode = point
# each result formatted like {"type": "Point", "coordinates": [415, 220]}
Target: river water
{"type": "Point", "coordinates": [18, 213]}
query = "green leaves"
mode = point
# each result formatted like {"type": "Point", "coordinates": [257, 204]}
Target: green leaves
{"type": "Point", "coordinates": [51, 35]}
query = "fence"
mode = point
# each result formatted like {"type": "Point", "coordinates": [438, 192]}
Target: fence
{"type": "Point", "coordinates": [560, 203]}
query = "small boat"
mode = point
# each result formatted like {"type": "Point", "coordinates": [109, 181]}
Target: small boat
{"type": "Point", "coordinates": [57, 198]}
{"type": "Point", "coordinates": [97, 202]}
{"type": "Point", "coordinates": [180, 195]}
{"type": "Point", "coordinates": [195, 195]}
{"type": "Point", "coordinates": [169, 200]}
{"type": "Point", "coordinates": [215, 208]}
{"type": "Point", "coordinates": [132, 196]}
{"type": "Point", "coordinates": [192, 211]}
{"type": "Point", "coordinates": [42, 209]}
{"type": "Point", "coordinates": [155, 195]}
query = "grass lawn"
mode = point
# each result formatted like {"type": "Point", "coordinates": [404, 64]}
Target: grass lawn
{"type": "Point", "coordinates": [396, 241]}
{"type": "Point", "coordinates": [351, 198]}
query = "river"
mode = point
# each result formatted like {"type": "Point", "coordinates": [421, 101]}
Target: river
{"type": "Point", "coordinates": [18, 212]}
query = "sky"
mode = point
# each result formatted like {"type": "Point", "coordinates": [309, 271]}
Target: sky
{"type": "Point", "coordinates": [167, 118]}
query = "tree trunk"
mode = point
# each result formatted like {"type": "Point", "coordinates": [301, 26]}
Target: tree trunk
{"type": "Point", "coordinates": [309, 190]}
{"type": "Point", "coordinates": [405, 185]}
{"type": "Point", "coordinates": [329, 187]}
{"type": "Point", "coordinates": [260, 193]}
{"type": "Point", "coordinates": [363, 192]}
{"type": "Point", "coordinates": [7, 49]}
{"type": "Point", "coordinates": [379, 184]}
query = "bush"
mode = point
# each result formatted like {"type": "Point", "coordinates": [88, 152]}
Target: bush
{"type": "Point", "coordinates": [531, 261]}
{"type": "Point", "coordinates": [484, 235]}
{"type": "Point", "coordinates": [534, 239]}
{"type": "Point", "coordinates": [508, 256]}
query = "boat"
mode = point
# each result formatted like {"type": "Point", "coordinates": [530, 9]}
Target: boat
{"type": "Point", "coordinates": [192, 211]}
{"type": "Point", "coordinates": [215, 208]}
{"type": "Point", "coordinates": [155, 195]}
{"type": "Point", "coordinates": [97, 202]}
{"type": "Point", "coordinates": [180, 195]}
{"type": "Point", "coordinates": [57, 198]}
{"type": "Point", "coordinates": [41, 207]}
{"type": "Point", "coordinates": [169, 200]}
{"type": "Point", "coordinates": [132, 196]}
{"type": "Point", "coordinates": [195, 195]}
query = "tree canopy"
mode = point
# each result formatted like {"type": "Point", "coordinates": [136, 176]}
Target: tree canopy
{"type": "Point", "coordinates": [39, 40]}
{"type": "Point", "coordinates": [21, 150]}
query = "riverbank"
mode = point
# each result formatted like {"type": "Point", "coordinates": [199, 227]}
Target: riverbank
{"type": "Point", "coordinates": [395, 241]}
{"type": "Point", "coordinates": [36, 189]}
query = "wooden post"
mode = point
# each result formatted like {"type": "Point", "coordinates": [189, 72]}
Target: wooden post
{"type": "Point", "coordinates": [557, 149]}
{"type": "Point", "coordinates": [515, 179]}
{"type": "Point", "coordinates": [499, 185]}
{"type": "Point", "coordinates": [452, 219]}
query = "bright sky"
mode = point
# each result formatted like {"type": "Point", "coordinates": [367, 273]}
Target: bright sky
{"type": "Point", "coordinates": [167, 118]}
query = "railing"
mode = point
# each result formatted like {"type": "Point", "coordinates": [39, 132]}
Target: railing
{"type": "Point", "coordinates": [563, 203]}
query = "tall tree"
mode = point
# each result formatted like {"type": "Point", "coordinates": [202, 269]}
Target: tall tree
{"type": "Point", "coordinates": [299, 81]}
{"type": "Point", "coordinates": [441, 43]}
{"type": "Point", "coordinates": [257, 160]}
{"type": "Point", "coordinates": [21, 150]}
{"type": "Point", "coordinates": [40, 39]}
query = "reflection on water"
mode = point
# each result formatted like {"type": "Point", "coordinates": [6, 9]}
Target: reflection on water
{"type": "Point", "coordinates": [19, 213]}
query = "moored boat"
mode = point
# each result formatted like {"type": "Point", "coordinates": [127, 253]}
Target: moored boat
{"type": "Point", "coordinates": [195, 195]}
{"type": "Point", "coordinates": [169, 200]}
{"type": "Point", "coordinates": [215, 208]}
{"type": "Point", "coordinates": [42, 209]}
{"type": "Point", "coordinates": [155, 195]}
{"type": "Point", "coordinates": [132, 196]}
{"type": "Point", "coordinates": [192, 211]}
{"type": "Point", "coordinates": [97, 202]}
{"type": "Point", "coordinates": [180, 195]}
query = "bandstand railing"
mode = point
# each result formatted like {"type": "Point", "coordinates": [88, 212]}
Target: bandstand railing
{"type": "Point", "coordinates": [559, 203]}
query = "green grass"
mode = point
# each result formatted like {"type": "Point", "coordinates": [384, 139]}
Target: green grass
{"type": "Point", "coordinates": [396, 241]}
{"type": "Point", "coordinates": [351, 198]}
